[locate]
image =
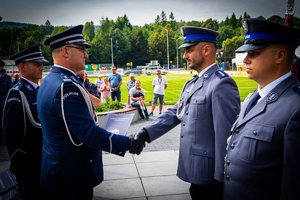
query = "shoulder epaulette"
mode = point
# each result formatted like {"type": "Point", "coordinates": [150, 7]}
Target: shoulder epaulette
{"type": "Point", "coordinates": [17, 86]}
{"type": "Point", "coordinates": [297, 89]}
{"type": "Point", "coordinates": [221, 74]}
{"type": "Point", "coordinates": [65, 78]}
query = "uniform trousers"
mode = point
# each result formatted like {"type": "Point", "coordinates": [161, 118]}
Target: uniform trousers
{"type": "Point", "coordinates": [205, 192]}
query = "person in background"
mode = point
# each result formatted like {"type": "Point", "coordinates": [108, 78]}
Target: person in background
{"type": "Point", "coordinates": [72, 148]}
{"type": "Point", "coordinates": [263, 150]}
{"type": "Point", "coordinates": [130, 84]}
{"type": "Point", "coordinates": [134, 100]}
{"type": "Point", "coordinates": [98, 83]}
{"type": "Point", "coordinates": [160, 85]}
{"type": "Point", "coordinates": [206, 109]}
{"type": "Point", "coordinates": [90, 88]}
{"type": "Point", "coordinates": [5, 86]}
{"type": "Point", "coordinates": [140, 96]}
{"type": "Point", "coordinates": [115, 82]}
{"type": "Point", "coordinates": [17, 78]}
{"type": "Point", "coordinates": [21, 125]}
{"type": "Point", "coordinates": [86, 76]}
{"type": "Point", "coordinates": [105, 90]}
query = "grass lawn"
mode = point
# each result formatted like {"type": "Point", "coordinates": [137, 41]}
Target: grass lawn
{"type": "Point", "coordinates": [175, 84]}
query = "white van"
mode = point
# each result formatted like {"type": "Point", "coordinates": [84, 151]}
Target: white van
{"type": "Point", "coordinates": [152, 69]}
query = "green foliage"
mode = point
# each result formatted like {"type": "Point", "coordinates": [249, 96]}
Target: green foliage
{"type": "Point", "coordinates": [211, 24]}
{"type": "Point", "coordinates": [29, 42]}
{"type": "Point", "coordinates": [233, 44]}
{"type": "Point", "coordinates": [109, 106]}
{"type": "Point", "coordinates": [88, 31]}
{"type": "Point", "coordinates": [59, 29]}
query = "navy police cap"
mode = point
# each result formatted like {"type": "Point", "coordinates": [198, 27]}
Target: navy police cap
{"type": "Point", "coordinates": [70, 36]}
{"type": "Point", "coordinates": [2, 63]}
{"type": "Point", "coordinates": [193, 35]}
{"type": "Point", "coordinates": [32, 54]}
{"type": "Point", "coordinates": [260, 33]}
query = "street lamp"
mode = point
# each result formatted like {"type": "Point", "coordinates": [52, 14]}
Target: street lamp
{"type": "Point", "coordinates": [112, 54]}
{"type": "Point", "coordinates": [177, 48]}
{"type": "Point", "coordinates": [168, 46]}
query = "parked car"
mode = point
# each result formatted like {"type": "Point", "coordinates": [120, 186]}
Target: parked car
{"type": "Point", "coordinates": [134, 71]}
{"type": "Point", "coordinates": [153, 69]}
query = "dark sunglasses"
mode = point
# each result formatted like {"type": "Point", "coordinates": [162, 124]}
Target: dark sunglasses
{"type": "Point", "coordinates": [82, 48]}
{"type": "Point", "coordinates": [158, 73]}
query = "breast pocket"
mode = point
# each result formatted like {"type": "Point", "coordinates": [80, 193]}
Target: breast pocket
{"type": "Point", "coordinates": [196, 108]}
{"type": "Point", "coordinates": [255, 145]}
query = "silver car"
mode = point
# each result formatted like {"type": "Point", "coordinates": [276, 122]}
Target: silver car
{"type": "Point", "coordinates": [153, 69]}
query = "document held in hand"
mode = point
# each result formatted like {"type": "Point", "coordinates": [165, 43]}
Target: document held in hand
{"type": "Point", "coordinates": [118, 123]}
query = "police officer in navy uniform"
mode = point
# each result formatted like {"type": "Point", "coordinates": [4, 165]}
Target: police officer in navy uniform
{"type": "Point", "coordinates": [21, 126]}
{"type": "Point", "coordinates": [72, 157]}
{"type": "Point", "coordinates": [206, 110]}
{"type": "Point", "coordinates": [5, 86]}
{"type": "Point", "coordinates": [262, 159]}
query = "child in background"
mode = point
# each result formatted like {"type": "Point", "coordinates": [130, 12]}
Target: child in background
{"type": "Point", "coordinates": [105, 90]}
{"type": "Point", "coordinates": [139, 94]}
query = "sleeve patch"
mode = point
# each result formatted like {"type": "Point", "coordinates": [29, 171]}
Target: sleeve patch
{"type": "Point", "coordinates": [72, 93]}
{"type": "Point", "coordinates": [65, 78]}
{"type": "Point", "coordinates": [14, 99]}
{"type": "Point", "coordinates": [297, 89]}
{"type": "Point", "coordinates": [221, 74]}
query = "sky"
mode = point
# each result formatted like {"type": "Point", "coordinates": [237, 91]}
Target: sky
{"type": "Point", "coordinates": [139, 12]}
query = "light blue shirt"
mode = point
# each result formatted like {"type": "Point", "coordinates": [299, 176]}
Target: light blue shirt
{"type": "Point", "coordinates": [114, 80]}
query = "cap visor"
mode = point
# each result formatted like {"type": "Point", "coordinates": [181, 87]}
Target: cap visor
{"type": "Point", "coordinates": [87, 45]}
{"type": "Point", "coordinates": [249, 47]}
{"type": "Point", "coordinates": [39, 60]}
{"type": "Point", "coordinates": [187, 45]}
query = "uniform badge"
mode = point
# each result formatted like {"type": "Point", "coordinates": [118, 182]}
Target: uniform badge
{"type": "Point", "coordinates": [29, 87]}
{"type": "Point", "coordinates": [245, 26]}
{"type": "Point", "coordinates": [180, 104]}
{"type": "Point", "coordinates": [65, 78]}
{"type": "Point", "coordinates": [182, 32]}
{"type": "Point", "coordinates": [40, 47]}
{"type": "Point", "coordinates": [205, 75]}
{"type": "Point", "coordinates": [273, 96]}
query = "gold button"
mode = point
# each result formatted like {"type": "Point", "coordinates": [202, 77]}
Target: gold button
{"type": "Point", "coordinates": [91, 161]}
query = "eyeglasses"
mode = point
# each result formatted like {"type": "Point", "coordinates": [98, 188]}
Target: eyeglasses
{"type": "Point", "coordinates": [158, 73]}
{"type": "Point", "coordinates": [113, 69]}
{"type": "Point", "coordinates": [82, 48]}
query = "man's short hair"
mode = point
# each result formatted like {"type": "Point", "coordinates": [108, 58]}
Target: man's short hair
{"type": "Point", "coordinates": [158, 70]}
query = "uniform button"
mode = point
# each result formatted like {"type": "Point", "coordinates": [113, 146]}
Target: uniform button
{"type": "Point", "coordinates": [228, 162]}
{"type": "Point", "coordinates": [183, 124]}
{"type": "Point", "coordinates": [237, 130]}
{"type": "Point", "coordinates": [120, 152]}
{"type": "Point", "coordinates": [196, 101]}
{"type": "Point", "coordinates": [182, 136]}
{"type": "Point", "coordinates": [205, 153]}
{"type": "Point", "coordinates": [254, 132]}
{"type": "Point", "coordinates": [186, 113]}
{"type": "Point", "coordinates": [232, 146]}
{"type": "Point", "coordinates": [227, 178]}
{"type": "Point", "coordinates": [91, 161]}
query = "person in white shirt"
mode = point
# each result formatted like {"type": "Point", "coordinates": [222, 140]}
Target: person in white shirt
{"type": "Point", "coordinates": [98, 84]}
{"type": "Point", "coordinates": [159, 84]}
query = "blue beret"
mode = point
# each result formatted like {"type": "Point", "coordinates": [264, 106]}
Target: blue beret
{"type": "Point", "coordinates": [193, 35]}
{"type": "Point", "coordinates": [2, 63]}
{"type": "Point", "coordinates": [70, 36]}
{"type": "Point", "coordinates": [32, 54]}
{"type": "Point", "coordinates": [260, 33]}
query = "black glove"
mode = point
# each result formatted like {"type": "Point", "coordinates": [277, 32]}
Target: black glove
{"type": "Point", "coordinates": [136, 145]}
{"type": "Point", "coordinates": [143, 134]}
{"type": "Point", "coordinates": [218, 190]}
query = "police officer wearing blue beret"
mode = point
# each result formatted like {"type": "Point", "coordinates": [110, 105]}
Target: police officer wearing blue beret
{"type": "Point", "coordinates": [262, 159]}
{"type": "Point", "coordinates": [72, 157]}
{"type": "Point", "coordinates": [21, 126]}
{"type": "Point", "coordinates": [207, 108]}
{"type": "Point", "coordinates": [5, 86]}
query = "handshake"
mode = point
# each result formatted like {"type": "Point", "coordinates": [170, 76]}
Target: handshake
{"type": "Point", "coordinates": [138, 141]}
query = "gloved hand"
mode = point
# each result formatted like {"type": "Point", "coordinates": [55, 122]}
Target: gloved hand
{"type": "Point", "coordinates": [136, 145]}
{"type": "Point", "coordinates": [143, 134]}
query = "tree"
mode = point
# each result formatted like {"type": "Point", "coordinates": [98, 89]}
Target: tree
{"type": "Point", "coordinates": [89, 31]}
{"type": "Point", "coordinates": [233, 44]}
{"type": "Point", "coordinates": [277, 19]}
{"type": "Point", "coordinates": [233, 21]}
{"type": "Point", "coordinates": [157, 20]}
{"type": "Point", "coordinates": [260, 17]}
{"type": "Point", "coordinates": [211, 24]}
{"type": "Point", "coordinates": [59, 29]}
{"type": "Point", "coordinates": [224, 33]}
{"type": "Point", "coordinates": [163, 18]}
{"type": "Point", "coordinates": [172, 21]}
{"type": "Point", "coordinates": [29, 42]}
{"type": "Point", "coordinates": [0, 18]}
{"type": "Point", "coordinates": [246, 15]}
{"type": "Point", "coordinates": [139, 48]}
{"type": "Point", "coordinates": [154, 47]}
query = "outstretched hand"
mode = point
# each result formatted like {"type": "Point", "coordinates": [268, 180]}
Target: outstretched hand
{"type": "Point", "coordinates": [136, 145]}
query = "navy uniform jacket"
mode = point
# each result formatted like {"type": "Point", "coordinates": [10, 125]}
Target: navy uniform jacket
{"type": "Point", "coordinates": [5, 86]}
{"type": "Point", "coordinates": [23, 139]}
{"type": "Point", "coordinates": [210, 110]}
{"type": "Point", "coordinates": [65, 165]}
{"type": "Point", "coordinates": [263, 153]}
{"type": "Point", "coordinates": [92, 88]}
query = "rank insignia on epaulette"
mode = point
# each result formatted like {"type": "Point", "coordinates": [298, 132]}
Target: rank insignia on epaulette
{"type": "Point", "coordinates": [29, 87]}
{"type": "Point", "coordinates": [297, 89]}
{"type": "Point", "coordinates": [65, 78]}
{"type": "Point", "coordinates": [74, 79]}
{"type": "Point", "coordinates": [221, 74]}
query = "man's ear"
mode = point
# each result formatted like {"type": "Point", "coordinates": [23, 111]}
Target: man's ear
{"type": "Point", "coordinates": [65, 52]}
{"type": "Point", "coordinates": [21, 67]}
{"type": "Point", "coordinates": [206, 50]}
{"type": "Point", "coordinates": [280, 55]}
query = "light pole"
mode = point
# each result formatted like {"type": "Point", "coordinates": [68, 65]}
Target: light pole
{"type": "Point", "coordinates": [18, 43]}
{"type": "Point", "coordinates": [168, 46]}
{"type": "Point", "coordinates": [177, 48]}
{"type": "Point", "coordinates": [112, 54]}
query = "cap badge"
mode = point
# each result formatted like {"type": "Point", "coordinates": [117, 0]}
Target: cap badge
{"type": "Point", "coordinates": [245, 26]}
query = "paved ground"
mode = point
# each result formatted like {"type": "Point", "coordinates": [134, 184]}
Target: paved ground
{"type": "Point", "coordinates": [149, 176]}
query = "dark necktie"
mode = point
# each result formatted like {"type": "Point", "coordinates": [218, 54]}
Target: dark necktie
{"type": "Point", "coordinates": [252, 103]}
{"type": "Point", "coordinates": [196, 77]}
{"type": "Point", "coordinates": [37, 89]}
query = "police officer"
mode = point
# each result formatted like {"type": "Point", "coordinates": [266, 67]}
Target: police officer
{"type": "Point", "coordinates": [5, 86]}
{"type": "Point", "coordinates": [21, 126]}
{"type": "Point", "coordinates": [72, 157]}
{"type": "Point", "coordinates": [262, 157]}
{"type": "Point", "coordinates": [207, 108]}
